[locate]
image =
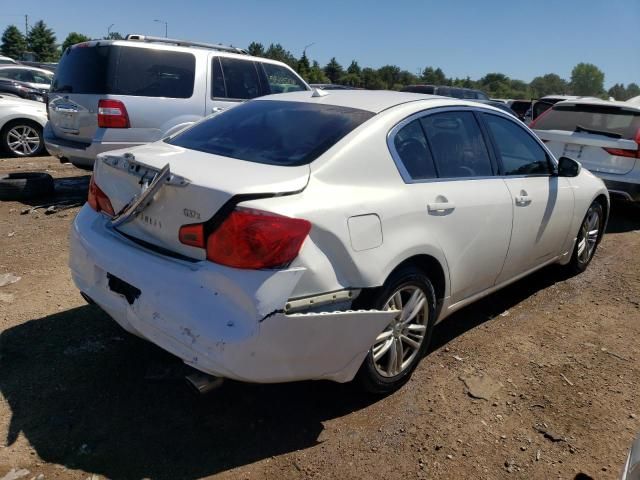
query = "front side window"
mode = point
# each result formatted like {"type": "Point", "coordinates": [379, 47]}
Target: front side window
{"type": "Point", "coordinates": [273, 132]}
{"type": "Point", "coordinates": [281, 79]}
{"type": "Point", "coordinates": [411, 146]}
{"type": "Point", "coordinates": [520, 153]}
{"type": "Point", "coordinates": [457, 145]}
{"type": "Point", "coordinates": [240, 78]}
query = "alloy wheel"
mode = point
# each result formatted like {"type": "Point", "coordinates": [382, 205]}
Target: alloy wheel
{"type": "Point", "coordinates": [588, 237]}
{"type": "Point", "coordinates": [23, 140]}
{"type": "Point", "coordinates": [397, 346]}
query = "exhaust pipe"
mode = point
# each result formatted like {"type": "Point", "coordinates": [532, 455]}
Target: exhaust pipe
{"type": "Point", "coordinates": [203, 383]}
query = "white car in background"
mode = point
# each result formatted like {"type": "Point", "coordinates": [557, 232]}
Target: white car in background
{"type": "Point", "coordinates": [321, 236]}
{"type": "Point", "coordinates": [603, 136]}
{"type": "Point", "coordinates": [32, 76]}
{"type": "Point", "coordinates": [7, 61]}
{"type": "Point", "coordinates": [21, 125]}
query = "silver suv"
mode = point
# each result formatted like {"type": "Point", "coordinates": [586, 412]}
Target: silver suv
{"type": "Point", "coordinates": [111, 94]}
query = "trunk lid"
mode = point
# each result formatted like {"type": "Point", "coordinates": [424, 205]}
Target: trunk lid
{"type": "Point", "coordinates": [201, 184]}
{"type": "Point", "coordinates": [589, 149]}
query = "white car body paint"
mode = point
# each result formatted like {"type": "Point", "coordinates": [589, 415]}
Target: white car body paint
{"type": "Point", "coordinates": [14, 108]}
{"type": "Point", "coordinates": [231, 323]}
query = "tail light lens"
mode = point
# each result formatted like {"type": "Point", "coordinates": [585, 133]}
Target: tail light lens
{"type": "Point", "coordinates": [250, 239]}
{"type": "Point", "coordinates": [112, 114]}
{"type": "Point", "coordinates": [98, 200]}
{"type": "Point", "coordinates": [624, 152]}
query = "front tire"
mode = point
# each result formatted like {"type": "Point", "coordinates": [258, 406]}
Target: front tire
{"type": "Point", "coordinates": [588, 238]}
{"type": "Point", "coordinates": [400, 347]}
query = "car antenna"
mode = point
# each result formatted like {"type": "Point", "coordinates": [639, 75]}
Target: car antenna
{"type": "Point", "coordinates": [318, 92]}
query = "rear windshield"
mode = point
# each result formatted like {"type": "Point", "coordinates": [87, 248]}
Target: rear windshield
{"type": "Point", "coordinates": [119, 70]}
{"type": "Point", "coordinates": [273, 132]}
{"type": "Point", "coordinates": [591, 117]}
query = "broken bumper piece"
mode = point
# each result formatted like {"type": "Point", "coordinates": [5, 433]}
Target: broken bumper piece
{"type": "Point", "coordinates": [222, 321]}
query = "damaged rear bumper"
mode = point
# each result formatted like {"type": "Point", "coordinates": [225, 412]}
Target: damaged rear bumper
{"type": "Point", "coordinates": [223, 321]}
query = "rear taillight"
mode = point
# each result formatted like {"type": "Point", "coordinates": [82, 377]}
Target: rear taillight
{"type": "Point", "coordinates": [626, 152]}
{"type": "Point", "coordinates": [250, 239]}
{"type": "Point", "coordinates": [112, 114]}
{"type": "Point", "coordinates": [98, 200]}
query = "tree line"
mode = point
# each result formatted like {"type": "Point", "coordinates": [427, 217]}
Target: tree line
{"type": "Point", "coordinates": [586, 78]}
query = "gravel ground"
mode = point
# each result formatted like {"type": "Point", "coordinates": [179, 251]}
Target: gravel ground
{"type": "Point", "coordinates": [554, 357]}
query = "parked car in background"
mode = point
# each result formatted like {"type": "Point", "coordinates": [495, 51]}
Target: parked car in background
{"type": "Point", "coordinates": [520, 107]}
{"type": "Point", "coordinates": [21, 125]}
{"type": "Point", "coordinates": [604, 136]}
{"type": "Point", "coordinates": [50, 66]}
{"type": "Point", "coordinates": [156, 88]}
{"type": "Point", "coordinates": [7, 61]}
{"type": "Point", "coordinates": [300, 236]}
{"type": "Point", "coordinates": [538, 107]}
{"type": "Point", "coordinates": [446, 91]}
{"type": "Point", "coordinates": [497, 104]}
{"type": "Point", "coordinates": [14, 88]}
{"type": "Point", "coordinates": [31, 76]}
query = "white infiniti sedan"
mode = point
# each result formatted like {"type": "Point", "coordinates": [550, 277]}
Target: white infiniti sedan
{"type": "Point", "coordinates": [321, 236]}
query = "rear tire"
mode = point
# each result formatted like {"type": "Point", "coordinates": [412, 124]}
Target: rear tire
{"type": "Point", "coordinates": [587, 239]}
{"type": "Point", "coordinates": [22, 138]}
{"type": "Point", "coordinates": [400, 347]}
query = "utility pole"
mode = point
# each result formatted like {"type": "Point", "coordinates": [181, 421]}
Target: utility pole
{"type": "Point", "coordinates": [26, 25]}
{"type": "Point", "coordinates": [165, 26]}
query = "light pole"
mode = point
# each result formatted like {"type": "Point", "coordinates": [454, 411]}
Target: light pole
{"type": "Point", "coordinates": [304, 50]}
{"type": "Point", "coordinates": [166, 27]}
{"type": "Point", "coordinates": [109, 29]}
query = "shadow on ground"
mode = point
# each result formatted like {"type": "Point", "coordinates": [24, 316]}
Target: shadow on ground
{"type": "Point", "coordinates": [625, 217]}
{"type": "Point", "coordinates": [87, 395]}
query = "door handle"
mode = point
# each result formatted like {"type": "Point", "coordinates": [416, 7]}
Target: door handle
{"type": "Point", "coordinates": [522, 200]}
{"type": "Point", "coordinates": [440, 207]}
{"type": "Point", "coordinates": [217, 109]}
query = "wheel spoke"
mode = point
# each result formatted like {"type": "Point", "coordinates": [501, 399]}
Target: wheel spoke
{"type": "Point", "coordinates": [413, 306]}
{"type": "Point", "coordinates": [383, 336]}
{"type": "Point", "coordinates": [391, 361]}
{"type": "Point", "coordinates": [410, 341]}
{"type": "Point", "coordinates": [397, 301]}
{"type": "Point", "coordinates": [581, 247]}
{"type": "Point", "coordinates": [379, 352]}
{"type": "Point", "coordinates": [399, 355]}
{"type": "Point", "coordinates": [416, 327]}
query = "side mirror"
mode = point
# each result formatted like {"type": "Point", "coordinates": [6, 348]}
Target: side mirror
{"type": "Point", "coordinates": [568, 167]}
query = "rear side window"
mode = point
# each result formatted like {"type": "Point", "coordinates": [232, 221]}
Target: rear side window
{"type": "Point", "coordinates": [240, 78]}
{"type": "Point", "coordinates": [411, 146]}
{"type": "Point", "coordinates": [121, 70]}
{"type": "Point", "coordinates": [273, 132]}
{"type": "Point", "coordinates": [592, 117]}
{"type": "Point", "coordinates": [480, 95]}
{"type": "Point", "coordinates": [281, 79]}
{"type": "Point", "coordinates": [145, 72]}
{"type": "Point", "coordinates": [457, 145]}
{"type": "Point", "coordinates": [519, 152]}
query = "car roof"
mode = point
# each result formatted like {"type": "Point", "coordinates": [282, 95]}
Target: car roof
{"type": "Point", "coordinates": [25, 67]}
{"type": "Point", "coordinates": [604, 103]}
{"type": "Point", "coordinates": [371, 100]}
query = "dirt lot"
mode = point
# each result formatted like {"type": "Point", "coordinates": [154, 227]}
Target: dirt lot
{"type": "Point", "coordinates": [80, 397]}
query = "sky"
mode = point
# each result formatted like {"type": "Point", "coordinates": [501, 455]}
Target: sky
{"type": "Point", "coordinates": [520, 38]}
